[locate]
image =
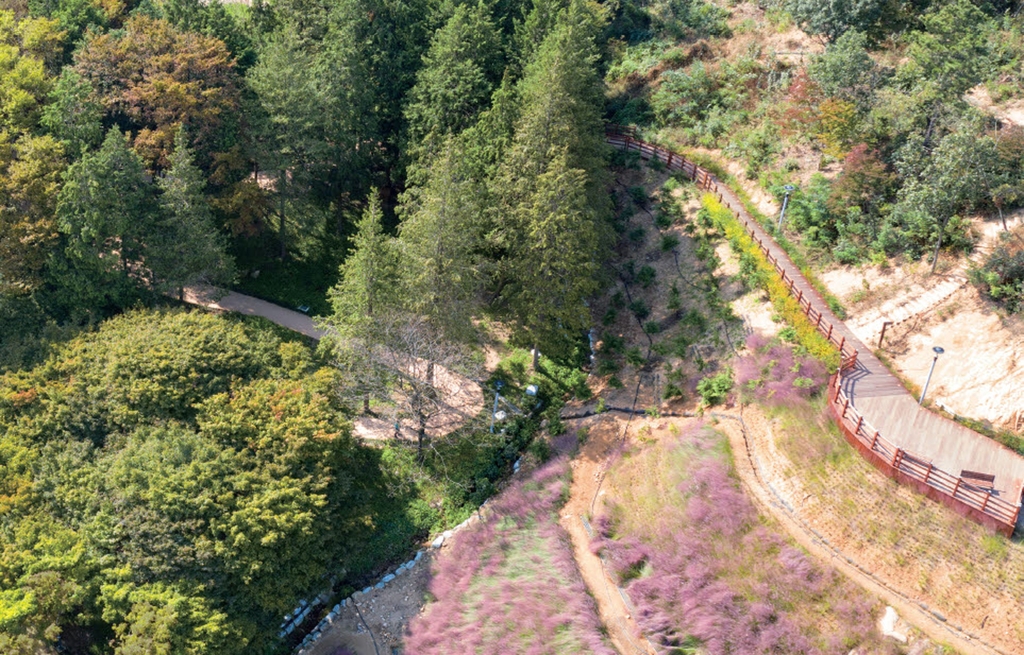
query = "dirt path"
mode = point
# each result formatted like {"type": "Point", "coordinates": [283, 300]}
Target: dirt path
{"type": "Point", "coordinates": [747, 462]}
{"type": "Point", "coordinates": [588, 469]}
{"type": "Point", "coordinates": [462, 397]}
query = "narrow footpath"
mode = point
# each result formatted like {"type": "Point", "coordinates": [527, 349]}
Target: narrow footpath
{"type": "Point", "coordinates": [461, 398]}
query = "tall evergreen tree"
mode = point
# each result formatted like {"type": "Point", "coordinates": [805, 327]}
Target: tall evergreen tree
{"type": "Point", "coordinates": [369, 276]}
{"type": "Point", "coordinates": [388, 37]}
{"type": "Point", "coordinates": [552, 268]}
{"type": "Point", "coordinates": [558, 141]}
{"type": "Point", "coordinates": [458, 75]}
{"type": "Point", "coordinates": [73, 115]}
{"type": "Point", "coordinates": [292, 140]}
{"type": "Point", "coordinates": [561, 104]}
{"type": "Point", "coordinates": [439, 243]}
{"type": "Point", "coordinates": [187, 249]}
{"type": "Point", "coordinates": [107, 212]}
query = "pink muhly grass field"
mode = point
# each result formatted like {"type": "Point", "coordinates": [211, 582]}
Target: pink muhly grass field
{"type": "Point", "coordinates": [774, 374]}
{"type": "Point", "coordinates": [704, 569]}
{"type": "Point", "coordinates": [510, 584]}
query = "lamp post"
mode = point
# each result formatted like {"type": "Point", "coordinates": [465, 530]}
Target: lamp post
{"type": "Point", "coordinates": [789, 188]}
{"type": "Point", "coordinates": [938, 351]}
{"type": "Point", "coordinates": [498, 384]}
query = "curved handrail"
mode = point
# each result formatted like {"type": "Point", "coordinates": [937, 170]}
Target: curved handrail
{"type": "Point", "coordinates": [963, 496]}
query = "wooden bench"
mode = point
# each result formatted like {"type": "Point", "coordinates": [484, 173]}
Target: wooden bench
{"type": "Point", "coordinates": [978, 479]}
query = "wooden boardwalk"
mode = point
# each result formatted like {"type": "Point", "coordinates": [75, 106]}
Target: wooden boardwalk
{"type": "Point", "coordinates": [883, 400]}
{"type": "Point", "coordinates": [874, 393]}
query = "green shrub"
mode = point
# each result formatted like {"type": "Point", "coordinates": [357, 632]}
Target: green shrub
{"type": "Point", "coordinates": [639, 309]}
{"type": "Point", "coordinates": [783, 302]}
{"type": "Point", "coordinates": [715, 388]}
{"type": "Point", "coordinates": [646, 276]}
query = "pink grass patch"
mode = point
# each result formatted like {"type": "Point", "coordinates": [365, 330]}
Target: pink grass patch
{"type": "Point", "coordinates": [714, 576]}
{"type": "Point", "coordinates": [510, 584]}
{"type": "Point", "coordinates": [772, 373]}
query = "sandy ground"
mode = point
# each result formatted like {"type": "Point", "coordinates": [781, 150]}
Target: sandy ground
{"type": "Point", "coordinates": [981, 372]}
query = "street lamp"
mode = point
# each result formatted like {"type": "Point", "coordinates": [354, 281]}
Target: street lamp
{"type": "Point", "coordinates": [789, 188]}
{"type": "Point", "coordinates": [938, 351]}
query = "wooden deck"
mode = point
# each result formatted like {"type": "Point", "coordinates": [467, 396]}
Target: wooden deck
{"type": "Point", "coordinates": [874, 392]}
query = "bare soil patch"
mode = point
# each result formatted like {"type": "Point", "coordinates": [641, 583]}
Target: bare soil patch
{"type": "Point", "coordinates": [376, 622]}
{"type": "Point", "coordinates": [981, 373]}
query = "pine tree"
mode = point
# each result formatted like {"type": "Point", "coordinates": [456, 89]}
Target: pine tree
{"type": "Point", "coordinates": [439, 243]}
{"type": "Point", "coordinates": [553, 265]}
{"type": "Point", "coordinates": [458, 75]}
{"type": "Point", "coordinates": [552, 187]}
{"type": "Point", "coordinates": [369, 276]}
{"type": "Point", "coordinates": [292, 132]}
{"type": "Point", "coordinates": [187, 249]}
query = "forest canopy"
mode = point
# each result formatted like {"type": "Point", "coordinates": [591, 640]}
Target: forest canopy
{"type": "Point", "coordinates": [407, 172]}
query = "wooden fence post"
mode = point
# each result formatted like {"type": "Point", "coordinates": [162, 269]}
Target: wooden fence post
{"type": "Point", "coordinates": [928, 473]}
{"type": "Point", "coordinates": [956, 487]}
{"type": "Point", "coordinates": [874, 441]}
{"type": "Point", "coordinates": [841, 344]}
{"type": "Point", "coordinates": [895, 458]}
{"type": "Point", "coordinates": [829, 335]}
{"type": "Point", "coordinates": [860, 422]}
{"type": "Point", "coordinates": [846, 406]}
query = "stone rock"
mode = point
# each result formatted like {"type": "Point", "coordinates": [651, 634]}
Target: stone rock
{"type": "Point", "coordinates": [379, 585]}
{"type": "Point", "coordinates": [387, 578]}
{"type": "Point", "coordinates": [400, 570]}
{"type": "Point", "coordinates": [447, 534]}
{"type": "Point", "coordinates": [367, 590]}
{"type": "Point", "coordinates": [437, 543]}
{"type": "Point", "coordinates": [888, 625]}
{"type": "Point", "coordinates": [419, 554]}
{"type": "Point", "coordinates": [337, 608]}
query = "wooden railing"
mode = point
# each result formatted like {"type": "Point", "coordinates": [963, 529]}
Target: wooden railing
{"type": "Point", "coordinates": [626, 139]}
{"type": "Point", "coordinates": [968, 498]}
{"type": "Point", "coordinates": [965, 497]}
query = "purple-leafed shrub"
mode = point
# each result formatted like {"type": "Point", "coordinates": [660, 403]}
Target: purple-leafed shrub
{"type": "Point", "coordinates": [709, 572]}
{"type": "Point", "coordinates": [510, 584]}
{"type": "Point", "coordinates": [773, 374]}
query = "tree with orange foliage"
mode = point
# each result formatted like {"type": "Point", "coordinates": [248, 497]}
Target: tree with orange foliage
{"type": "Point", "coordinates": [152, 79]}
